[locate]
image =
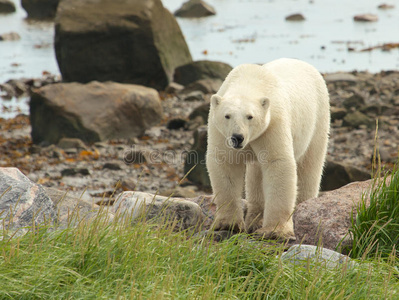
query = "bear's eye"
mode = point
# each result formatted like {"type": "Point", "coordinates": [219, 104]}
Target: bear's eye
{"type": "Point", "coordinates": [227, 116]}
{"type": "Point", "coordinates": [250, 117]}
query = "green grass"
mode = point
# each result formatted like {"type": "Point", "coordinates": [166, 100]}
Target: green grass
{"type": "Point", "coordinates": [375, 229]}
{"type": "Point", "coordinates": [102, 260]}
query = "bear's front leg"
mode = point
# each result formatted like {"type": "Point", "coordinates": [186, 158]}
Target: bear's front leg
{"type": "Point", "coordinates": [280, 190]}
{"type": "Point", "coordinates": [227, 180]}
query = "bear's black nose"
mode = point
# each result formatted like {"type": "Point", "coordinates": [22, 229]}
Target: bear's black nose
{"type": "Point", "coordinates": [236, 140]}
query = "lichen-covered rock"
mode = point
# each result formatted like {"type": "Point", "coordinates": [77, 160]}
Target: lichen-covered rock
{"type": "Point", "coordinates": [23, 202]}
{"type": "Point", "coordinates": [92, 112]}
{"type": "Point", "coordinates": [128, 41]}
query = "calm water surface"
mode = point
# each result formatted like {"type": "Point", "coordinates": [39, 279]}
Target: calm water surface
{"type": "Point", "coordinates": [243, 31]}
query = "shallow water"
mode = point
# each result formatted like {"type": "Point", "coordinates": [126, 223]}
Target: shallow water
{"type": "Point", "coordinates": [255, 31]}
{"type": "Point", "coordinates": [243, 31]}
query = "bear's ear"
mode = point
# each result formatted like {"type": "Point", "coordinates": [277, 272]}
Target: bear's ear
{"type": "Point", "coordinates": [215, 100]}
{"type": "Point", "coordinates": [265, 102]}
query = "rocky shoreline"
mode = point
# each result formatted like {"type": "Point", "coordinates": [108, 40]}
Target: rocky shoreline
{"type": "Point", "coordinates": [154, 162]}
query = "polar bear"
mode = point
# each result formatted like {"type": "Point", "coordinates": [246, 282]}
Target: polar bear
{"type": "Point", "coordinates": [268, 127]}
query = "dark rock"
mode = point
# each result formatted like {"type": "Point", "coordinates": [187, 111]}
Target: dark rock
{"type": "Point", "coordinates": [203, 69]}
{"type": "Point", "coordinates": [356, 101]}
{"type": "Point", "coordinates": [40, 9]}
{"type": "Point", "coordinates": [295, 17]}
{"type": "Point", "coordinates": [112, 166]}
{"type": "Point", "coordinates": [6, 7]}
{"type": "Point", "coordinates": [75, 171]}
{"type": "Point", "coordinates": [177, 123]}
{"type": "Point", "coordinates": [89, 46]}
{"type": "Point", "coordinates": [10, 36]}
{"type": "Point", "coordinates": [136, 205]}
{"type": "Point", "coordinates": [324, 221]}
{"type": "Point", "coordinates": [337, 175]}
{"type": "Point", "coordinates": [195, 161]}
{"type": "Point", "coordinates": [366, 18]}
{"type": "Point", "coordinates": [356, 119]}
{"type": "Point", "coordinates": [206, 86]}
{"type": "Point", "coordinates": [201, 111]}
{"type": "Point", "coordinates": [67, 143]}
{"type": "Point", "coordinates": [337, 113]}
{"type": "Point", "coordinates": [22, 202]}
{"type": "Point", "coordinates": [195, 9]}
{"type": "Point", "coordinates": [92, 112]}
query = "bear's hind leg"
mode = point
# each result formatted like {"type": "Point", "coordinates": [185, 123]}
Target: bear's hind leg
{"type": "Point", "coordinates": [255, 197]}
{"type": "Point", "coordinates": [310, 169]}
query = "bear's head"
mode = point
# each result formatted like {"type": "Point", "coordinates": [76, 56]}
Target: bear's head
{"type": "Point", "coordinates": [239, 120]}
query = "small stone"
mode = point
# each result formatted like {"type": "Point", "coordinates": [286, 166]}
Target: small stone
{"type": "Point", "coordinates": [10, 36]}
{"type": "Point", "coordinates": [128, 185]}
{"type": "Point", "coordinates": [337, 113]}
{"type": "Point", "coordinates": [67, 143]}
{"type": "Point", "coordinates": [195, 9]}
{"type": "Point", "coordinates": [386, 6]}
{"type": "Point", "coordinates": [295, 17]}
{"type": "Point", "coordinates": [194, 96]}
{"type": "Point", "coordinates": [112, 166]}
{"type": "Point", "coordinates": [355, 101]}
{"type": "Point", "coordinates": [366, 18]}
{"type": "Point", "coordinates": [75, 171]}
{"type": "Point", "coordinates": [356, 119]}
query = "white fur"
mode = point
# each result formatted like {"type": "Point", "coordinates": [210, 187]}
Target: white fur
{"type": "Point", "coordinates": [284, 145]}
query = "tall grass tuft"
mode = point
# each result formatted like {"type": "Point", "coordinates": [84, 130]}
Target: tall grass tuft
{"type": "Point", "coordinates": [375, 229]}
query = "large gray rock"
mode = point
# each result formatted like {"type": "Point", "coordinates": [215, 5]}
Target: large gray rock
{"type": "Point", "coordinates": [40, 9]}
{"type": "Point", "coordinates": [195, 9]}
{"type": "Point", "coordinates": [129, 41]}
{"type": "Point", "coordinates": [22, 202]}
{"type": "Point", "coordinates": [325, 220]}
{"type": "Point", "coordinates": [6, 6]}
{"type": "Point", "coordinates": [136, 205]}
{"type": "Point", "coordinates": [195, 161]}
{"type": "Point", "coordinates": [203, 69]}
{"type": "Point", "coordinates": [92, 112]}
